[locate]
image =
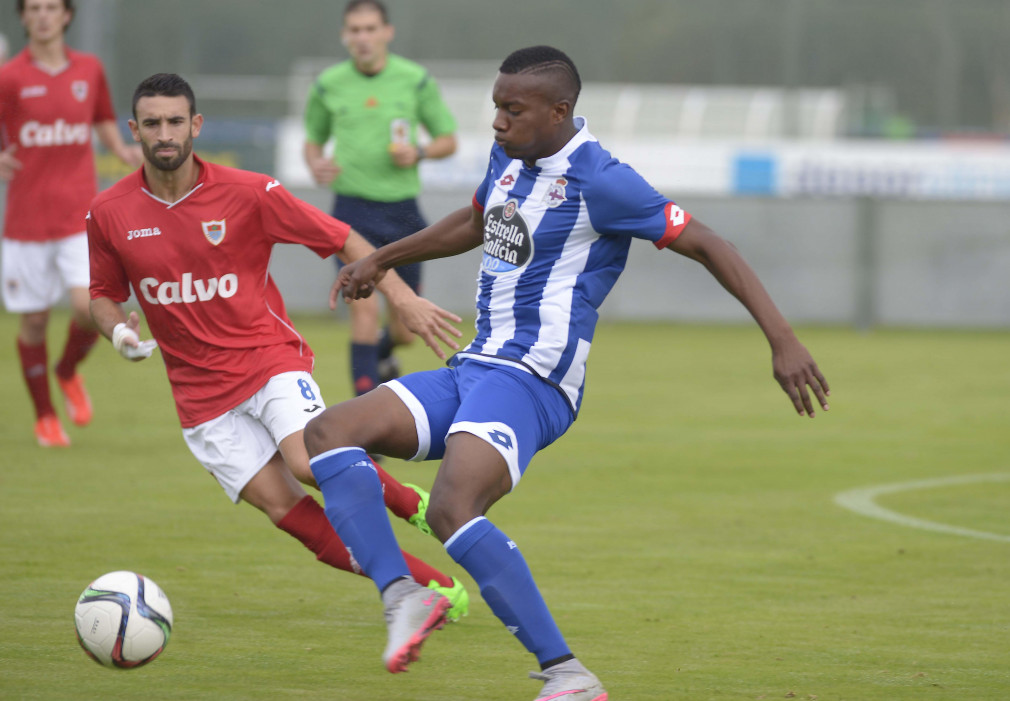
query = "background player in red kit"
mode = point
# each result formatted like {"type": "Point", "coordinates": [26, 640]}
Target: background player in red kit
{"type": "Point", "coordinates": [194, 240]}
{"type": "Point", "coordinates": [50, 98]}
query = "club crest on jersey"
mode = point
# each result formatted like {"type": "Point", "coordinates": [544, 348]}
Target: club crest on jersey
{"type": "Point", "coordinates": [508, 243]}
{"type": "Point", "coordinates": [214, 230]}
{"type": "Point", "coordinates": [555, 193]}
{"type": "Point", "coordinates": [79, 89]}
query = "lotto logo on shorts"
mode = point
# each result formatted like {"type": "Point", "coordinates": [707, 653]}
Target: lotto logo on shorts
{"type": "Point", "coordinates": [501, 438]}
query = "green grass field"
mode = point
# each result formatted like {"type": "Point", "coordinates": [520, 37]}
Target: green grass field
{"type": "Point", "coordinates": [684, 533]}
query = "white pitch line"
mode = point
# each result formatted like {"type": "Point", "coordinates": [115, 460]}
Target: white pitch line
{"type": "Point", "coordinates": [861, 501]}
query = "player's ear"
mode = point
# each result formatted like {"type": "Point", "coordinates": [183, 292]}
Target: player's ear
{"type": "Point", "coordinates": [197, 125]}
{"type": "Point", "coordinates": [561, 111]}
{"type": "Point", "coordinates": [134, 129]}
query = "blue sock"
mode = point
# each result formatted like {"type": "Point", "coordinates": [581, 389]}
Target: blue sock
{"type": "Point", "coordinates": [352, 496]}
{"type": "Point", "coordinates": [364, 367]}
{"type": "Point", "coordinates": [507, 586]}
{"type": "Point", "coordinates": [386, 345]}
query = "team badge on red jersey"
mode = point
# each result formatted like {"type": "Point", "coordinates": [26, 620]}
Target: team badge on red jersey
{"type": "Point", "coordinates": [79, 88]}
{"type": "Point", "coordinates": [214, 230]}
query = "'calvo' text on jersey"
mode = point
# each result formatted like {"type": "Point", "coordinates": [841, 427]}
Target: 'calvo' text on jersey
{"type": "Point", "coordinates": [508, 244]}
{"type": "Point", "coordinates": [188, 290]}
{"type": "Point", "coordinates": [59, 134]}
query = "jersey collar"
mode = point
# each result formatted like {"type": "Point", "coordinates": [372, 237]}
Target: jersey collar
{"type": "Point", "coordinates": [561, 157]}
{"type": "Point", "coordinates": [201, 180]}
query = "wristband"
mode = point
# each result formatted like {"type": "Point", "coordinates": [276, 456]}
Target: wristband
{"type": "Point", "coordinates": [143, 349]}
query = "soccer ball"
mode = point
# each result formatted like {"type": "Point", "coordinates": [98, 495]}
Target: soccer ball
{"type": "Point", "coordinates": [123, 620]}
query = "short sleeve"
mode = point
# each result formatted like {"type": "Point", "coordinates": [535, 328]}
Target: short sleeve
{"type": "Point", "coordinates": [287, 219]}
{"type": "Point", "coordinates": [318, 120]}
{"type": "Point", "coordinates": [480, 195]}
{"type": "Point", "coordinates": [434, 113]}
{"type": "Point", "coordinates": [620, 202]}
{"type": "Point", "coordinates": [104, 111]}
{"type": "Point", "coordinates": [108, 278]}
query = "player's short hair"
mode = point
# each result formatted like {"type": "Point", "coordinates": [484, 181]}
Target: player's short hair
{"type": "Point", "coordinates": [546, 59]}
{"type": "Point", "coordinates": [355, 5]}
{"type": "Point", "coordinates": [164, 85]}
{"type": "Point", "coordinates": [68, 5]}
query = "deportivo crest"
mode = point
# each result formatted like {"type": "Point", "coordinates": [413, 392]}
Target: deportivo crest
{"type": "Point", "coordinates": [214, 230]}
{"type": "Point", "coordinates": [79, 89]}
{"type": "Point", "coordinates": [508, 244]}
{"type": "Point", "coordinates": [555, 193]}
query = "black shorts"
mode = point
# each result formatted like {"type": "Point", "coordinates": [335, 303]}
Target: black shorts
{"type": "Point", "coordinates": [381, 223]}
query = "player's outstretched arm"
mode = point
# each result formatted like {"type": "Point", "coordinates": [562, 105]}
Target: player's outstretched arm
{"type": "Point", "coordinates": [427, 320]}
{"type": "Point", "coordinates": [456, 233]}
{"type": "Point", "coordinates": [793, 366]}
{"type": "Point", "coordinates": [121, 329]}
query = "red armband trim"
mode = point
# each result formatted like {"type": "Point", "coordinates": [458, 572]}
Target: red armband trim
{"type": "Point", "coordinates": [477, 205]}
{"type": "Point", "coordinates": [676, 220]}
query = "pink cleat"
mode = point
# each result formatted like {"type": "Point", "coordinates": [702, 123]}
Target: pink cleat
{"type": "Point", "coordinates": [411, 618]}
{"type": "Point", "coordinates": [569, 681]}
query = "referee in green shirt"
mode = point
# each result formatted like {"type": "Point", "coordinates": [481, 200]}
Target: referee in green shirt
{"type": "Point", "coordinates": [371, 106]}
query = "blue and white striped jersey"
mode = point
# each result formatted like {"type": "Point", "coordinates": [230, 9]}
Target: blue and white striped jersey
{"type": "Point", "coordinates": [556, 238]}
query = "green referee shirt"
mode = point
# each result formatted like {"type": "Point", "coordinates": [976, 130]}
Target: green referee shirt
{"type": "Point", "coordinates": [365, 114]}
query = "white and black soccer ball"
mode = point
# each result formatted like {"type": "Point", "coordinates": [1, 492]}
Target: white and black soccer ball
{"type": "Point", "coordinates": [123, 620]}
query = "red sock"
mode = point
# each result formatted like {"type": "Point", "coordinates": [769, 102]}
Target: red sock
{"type": "Point", "coordinates": [308, 523]}
{"type": "Point", "coordinates": [79, 342]}
{"type": "Point", "coordinates": [401, 500]}
{"type": "Point", "coordinates": [35, 369]}
{"type": "Point", "coordinates": [423, 573]}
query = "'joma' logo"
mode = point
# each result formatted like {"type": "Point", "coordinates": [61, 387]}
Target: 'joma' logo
{"type": "Point", "coordinates": [141, 233]}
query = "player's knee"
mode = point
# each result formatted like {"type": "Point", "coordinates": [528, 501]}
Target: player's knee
{"type": "Point", "coordinates": [448, 515]}
{"type": "Point", "coordinates": [317, 435]}
{"type": "Point", "coordinates": [334, 428]}
{"type": "Point", "coordinates": [33, 327]}
{"type": "Point", "coordinates": [440, 517]}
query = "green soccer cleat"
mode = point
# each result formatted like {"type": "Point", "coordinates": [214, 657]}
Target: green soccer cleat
{"type": "Point", "coordinates": [457, 596]}
{"type": "Point", "coordinates": [418, 520]}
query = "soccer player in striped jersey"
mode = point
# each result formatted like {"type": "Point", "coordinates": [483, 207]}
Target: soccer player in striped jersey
{"type": "Point", "coordinates": [555, 215]}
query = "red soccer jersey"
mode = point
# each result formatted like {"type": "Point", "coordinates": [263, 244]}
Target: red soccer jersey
{"type": "Point", "coordinates": [199, 268]}
{"type": "Point", "coordinates": [49, 117]}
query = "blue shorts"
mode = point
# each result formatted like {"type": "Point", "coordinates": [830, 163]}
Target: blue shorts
{"type": "Point", "coordinates": [513, 410]}
{"type": "Point", "coordinates": [381, 223]}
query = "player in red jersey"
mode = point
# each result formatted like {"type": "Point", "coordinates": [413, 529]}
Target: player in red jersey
{"type": "Point", "coordinates": [50, 99]}
{"type": "Point", "coordinates": [194, 240]}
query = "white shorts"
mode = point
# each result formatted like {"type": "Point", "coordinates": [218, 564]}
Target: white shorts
{"type": "Point", "coordinates": [236, 445]}
{"type": "Point", "coordinates": [36, 273]}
